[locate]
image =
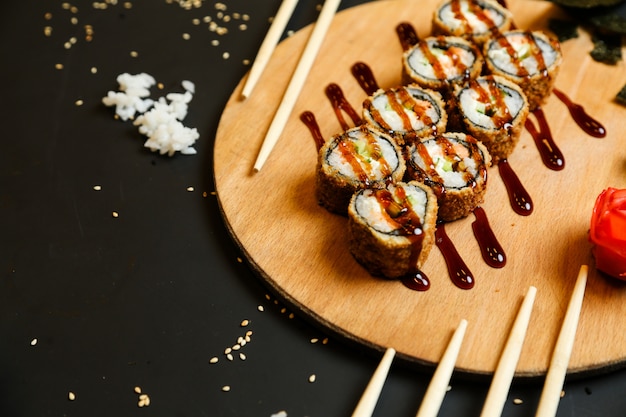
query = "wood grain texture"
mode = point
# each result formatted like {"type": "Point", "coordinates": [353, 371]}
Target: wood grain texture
{"type": "Point", "coordinates": [301, 251]}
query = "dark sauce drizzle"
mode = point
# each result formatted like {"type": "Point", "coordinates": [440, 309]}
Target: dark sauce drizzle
{"type": "Point", "coordinates": [490, 248]}
{"type": "Point", "coordinates": [364, 76]}
{"type": "Point", "coordinates": [308, 118]}
{"type": "Point", "coordinates": [550, 153]}
{"type": "Point", "coordinates": [458, 271]}
{"type": "Point", "coordinates": [587, 123]}
{"type": "Point", "coordinates": [519, 198]}
{"type": "Point", "coordinates": [407, 35]}
{"type": "Point", "coordinates": [339, 103]}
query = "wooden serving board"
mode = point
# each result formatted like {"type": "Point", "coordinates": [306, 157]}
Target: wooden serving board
{"type": "Point", "coordinates": [301, 250]}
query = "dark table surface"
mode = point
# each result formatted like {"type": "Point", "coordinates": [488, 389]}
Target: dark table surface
{"type": "Point", "coordinates": [96, 305]}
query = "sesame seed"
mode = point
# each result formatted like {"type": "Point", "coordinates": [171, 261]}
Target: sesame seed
{"type": "Point", "coordinates": [325, 341]}
{"type": "Point", "coordinates": [47, 16]}
{"type": "Point", "coordinates": [227, 351]}
{"type": "Point", "coordinates": [239, 260]}
{"type": "Point", "coordinates": [312, 378]}
{"type": "Point", "coordinates": [226, 388]}
{"type": "Point", "coordinates": [214, 359]}
{"type": "Point", "coordinates": [236, 347]}
{"type": "Point", "coordinates": [115, 214]}
{"type": "Point", "coordinates": [314, 340]}
{"type": "Point", "coordinates": [94, 70]}
{"type": "Point", "coordinates": [134, 54]}
{"type": "Point", "coordinates": [244, 323]}
{"type": "Point", "coordinates": [260, 308]}
{"type": "Point", "coordinates": [97, 187]}
{"type": "Point", "coordinates": [225, 55]}
{"type": "Point", "coordinates": [128, 5]}
{"type": "Point", "coordinates": [47, 30]}
{"type": "Point", "coordinates": [246, 62]}
{"type": "Point", "coordinates": [242, 356]}
{"type": "Point", "coordinates": [243, 26]}
{"type": "Point", "coordinates": [517, 401]}
{"type": "Point", "coordinates": [79, 102]}
{"type": "Point", "coordinates": [230, 357]}
{"type": "Point", "coordinates": [33, 342]}
{"type": "Point", "coordinates": [58, 66]}
{"type": "Point", "coordinates": [137, 390]}
{"type": "Point", "coordinates": [186, 36]}
{"type": "Point", "coordinates": [74, 20]}
{"type": "Point", "coordinates": [190, 188]}
{"type": "Point", "coordinates": [71, 396]}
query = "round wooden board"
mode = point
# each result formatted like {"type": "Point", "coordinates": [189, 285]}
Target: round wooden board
{"type": "Point", "coordinates": [301, 250]}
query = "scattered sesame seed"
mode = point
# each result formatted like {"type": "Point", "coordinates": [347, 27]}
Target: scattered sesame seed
{"type": "Point", "coordinates": [160, 86]}
{"type": "Point", "coordinates": [213, 193]}
{"type": "Point", "coordinates": [242, 356]}
{"type": "Point", "coordinates": [74, 20]}
{"type": "Point", "coordinates": [260, 308]}
{"type": "Point", "coordinates": [97, 187]}
{"type": "Point", "coordinates": [315, 340]}
{"type": "Point", "coordinates": [227, 350]}
{"type": "Point", "coordinates": [79, 102]}
{"type": "Point", "coordinates": [245, 17]}
{"type": "Point", "coordinates": [283, 310]}
{"type": "Point", "coordinates": [134, 54]}
{"type": "Point", "coordinates": [230, 357]}
{"type": "Point", "coordinates": [225, 55]}
{"type": "Point", "coordinates": [239, 259]}
{"type": "Point", "coordinates": [562, 393]}
{"type": "Point", "coordinates": [226, 388]}
{"type": "Point", "coordinates": [33, 342]}
{"type": "Point", "coordinates": [291, 315]}
{"type": "Point", "coordinates": [312, 378]}
{"type": "Point", "coordinates": [58, 66]}
{"type": "Point", "coordinates": [137, 390]}
{"type": "Point", "coordinates": [128, 5]}
{"type": "Point", "coordinates": [94, 70]}
{"type": "Point", "coordinates": [190, 188]}
{"type": "Point", "coordinates": [47, 30]}
{"type": "Point", "coordinates": [115, 214]}
{"type": "Point", "coordinates": [517, 401]}
{"type": "Point", "coordinates": [244, 323]}
{"type": "Point", "coordinates": [186, 36]}
{"type": "Point", "coordinates": [47, 16]}
{"type": "Point", "coordinates": [246, 62]}
{"type": "Point", "coordinates": [71, 396]}
{"type": "Point", "coordinates": [325, 341]}
{"type": "Point", "coordinates": [214, 359]}
{"type": "Point", "coordinates": [243, 26]}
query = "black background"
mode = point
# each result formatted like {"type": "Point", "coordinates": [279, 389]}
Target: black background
{"type": "Point", "coordinates": [148, 298]}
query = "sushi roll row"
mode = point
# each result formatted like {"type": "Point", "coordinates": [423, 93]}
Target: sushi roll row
{"type": "Point", "coordinates": [422, 152]}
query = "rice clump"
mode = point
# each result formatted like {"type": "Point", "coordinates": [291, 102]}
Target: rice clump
{"type": "Point", "coordinates": [159, 120]}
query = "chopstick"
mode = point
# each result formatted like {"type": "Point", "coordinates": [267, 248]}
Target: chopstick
{"type": "Point", "coordinates": [431, 403]}
{"type": "Point", "coordinates": [503, 376]}
{"type": "Point", "coordinates": [297, 81]}
{"type": "Point", "coordinates": [551, 394]}
{"type": "Point", "coordinates": [269, 44]}
{"type": "Point", "coordinates": [368, 400]}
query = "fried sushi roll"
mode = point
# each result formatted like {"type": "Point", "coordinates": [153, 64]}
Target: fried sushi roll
{"type": "Point", "coordinates": [454, 166]}
{"type": "Point", "coordinates": [406, 112]}
{"type": "Point", "coordinates": [529, 59]}
{"type": "Point", "coordinates": [360, 157]}
{"type": "Point", "coordinates": [392, 230]}
{"type": "Point", "coordinates": [440, 62]}
{"type": "Point", "coordinates": [476, 20]}
{"type": "Point", "coordinates": [493, 110]}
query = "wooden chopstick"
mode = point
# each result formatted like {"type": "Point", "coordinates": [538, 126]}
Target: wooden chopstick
{"type": "Point", "coordinates": [503, 376]}
{"type": "Point", "coordinates": [551, 394]}
{"type": "Point", "coordinates": [269, 44]}
{"type": "Point", "coordinates": [368, 400]}
{"type": "Point", "coordinates": [431, 403]}
{"type": "Point", "coordinates": [297, 81]}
